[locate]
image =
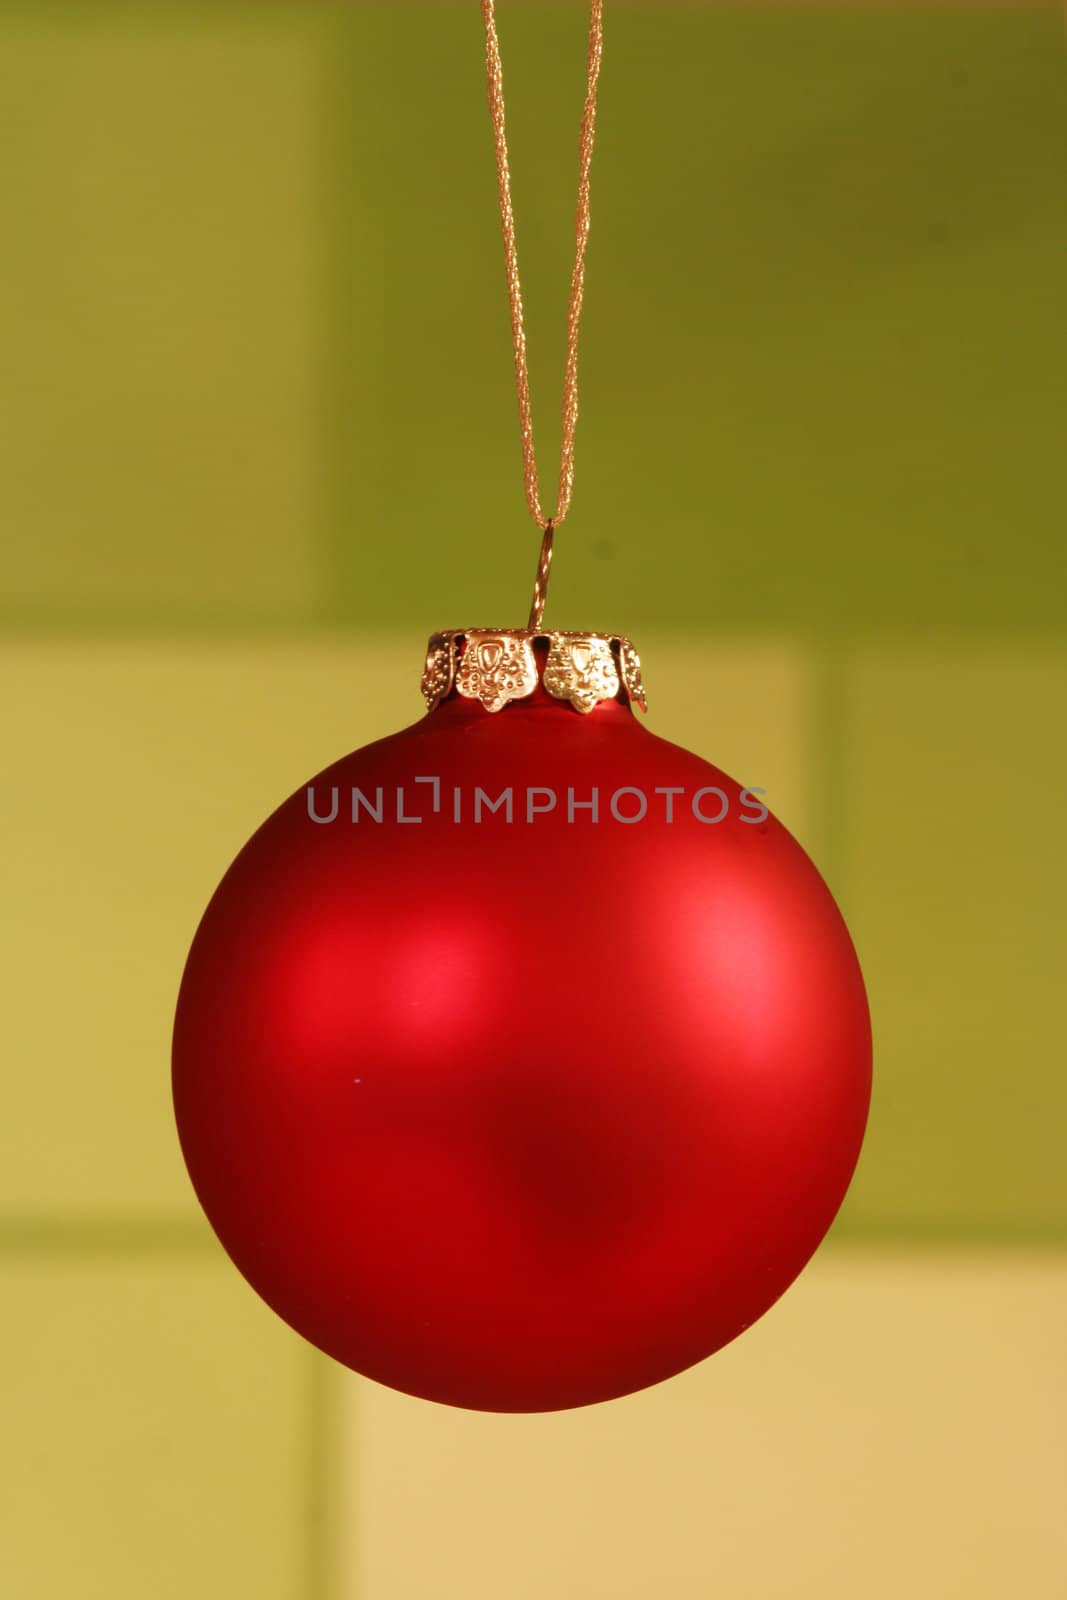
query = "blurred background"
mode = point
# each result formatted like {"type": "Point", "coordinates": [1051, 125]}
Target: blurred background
{"type": "Point", "coordinates": [257, 439]}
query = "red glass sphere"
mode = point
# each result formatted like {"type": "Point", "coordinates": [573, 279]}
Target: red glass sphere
{"type": "Point", "coordinates": [521, 1113]}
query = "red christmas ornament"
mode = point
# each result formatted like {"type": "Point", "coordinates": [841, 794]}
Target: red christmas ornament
{"type": "Point", "coordinates": [521, 1061]}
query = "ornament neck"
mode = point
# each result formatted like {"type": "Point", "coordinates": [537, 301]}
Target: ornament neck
{"type": "Point", "coordinates": [495, 666]}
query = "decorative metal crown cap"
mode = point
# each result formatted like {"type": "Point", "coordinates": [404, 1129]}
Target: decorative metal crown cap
{"type": "Point", "coordinates": [495, 665]}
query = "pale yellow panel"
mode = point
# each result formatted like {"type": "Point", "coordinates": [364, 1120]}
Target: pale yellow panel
{"type": "Point", "coordinates": [160, 311]}
{"type": "Point", "coordinates": [955, 782]}
{"type": "Point", "coordinates": [744, 703]}
{"type": "Point", "coordinates": [896, 1427]}
{"type": "Point", "coordinates": [137, 772]}
{"type": "Point", "coordinates": [154, 1435]}
{"type": "Point", "coordinates": [133, 774]}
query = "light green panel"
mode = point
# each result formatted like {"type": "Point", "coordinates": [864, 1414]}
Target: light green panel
{"type": "Point", "coordinates": [748, 704]}
{"type": "Point", "coordinates": [894, 1427]}
{"type": "Point", "coordinates": [141, 770]}
{"type": "Point", "coordinates": [160, 316]}
{"type": "Point", "coordinates": [955, 779]}
{"type": "Point", "coordinates": [136, 772]}
{"type": "Point", "coordinates": [154, 1435]}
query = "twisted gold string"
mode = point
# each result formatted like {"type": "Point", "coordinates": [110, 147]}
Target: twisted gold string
{"type": "Point", "coordinates": [495, 78]}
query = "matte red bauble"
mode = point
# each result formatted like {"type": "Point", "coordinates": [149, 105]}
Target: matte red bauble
{"type": "Point", "coordinates": [521, 1059]}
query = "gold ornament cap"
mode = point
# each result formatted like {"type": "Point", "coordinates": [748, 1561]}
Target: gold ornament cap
{"type": "Point", "coordinates": [498, 665]}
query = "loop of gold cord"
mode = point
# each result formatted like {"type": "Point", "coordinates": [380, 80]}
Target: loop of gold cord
{"type": "Point", "coordinates": [495, 77]}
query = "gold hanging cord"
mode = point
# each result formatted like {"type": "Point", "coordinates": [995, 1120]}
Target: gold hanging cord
{"type": "Point", "coordinates": [495, 78]}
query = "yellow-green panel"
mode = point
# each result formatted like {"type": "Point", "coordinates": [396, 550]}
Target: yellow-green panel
{"type": "Point", "coordinates": [141, 769]}
{"type": "Point", "coordinates": [894, 1427]}
{"type": "Point", "coordinates": [163, 180]}
{"type": "Point", "coordinates": [135, 773]}
{"type": "Point", "coordinates": [954, 776]}
{"type": "Point", "coordinates": [154, 1435]}
{"type": "Point", "coordinates": [823, 354]}
{"type": "Point", "coordinates": [747, 703]}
